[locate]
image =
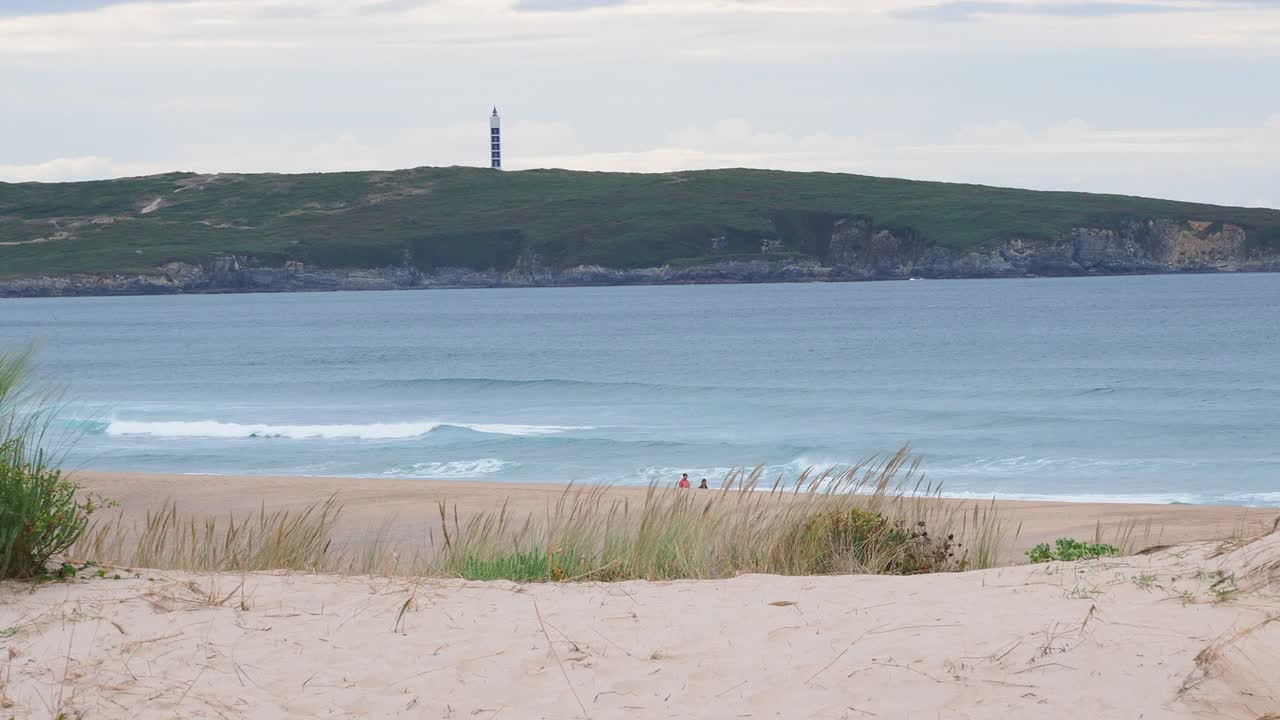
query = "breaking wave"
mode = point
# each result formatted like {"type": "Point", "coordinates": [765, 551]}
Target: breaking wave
{"type": "Point", "coordinates": [453, 469]}
{"type": "Point", "coordinates": [366, 431]}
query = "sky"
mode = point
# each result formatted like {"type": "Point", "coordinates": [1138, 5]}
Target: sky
{"type": "Point", "coordinates": [1165, 98]}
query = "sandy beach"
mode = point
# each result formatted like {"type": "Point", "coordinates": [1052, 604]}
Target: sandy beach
{"type": "Point", "coordinates": [1189, 631]}
{"type": "Point", "coordinates": [408, 509]}
{"type": "Point", "coordinates": [1186, 633]}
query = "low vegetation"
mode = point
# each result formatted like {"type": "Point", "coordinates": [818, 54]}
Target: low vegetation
{"type": "Point", "coordinates": [265, 541]}
{"type": "Point", "coordinates": [1070, 549]}
{"type": "Point", "coordinates": [41, 513]}
{"type": "Point", "coordinates": [878, 517]}
{"type": "Point", "coordinates": [874, 518]}
{"type": "Point", "coordinates": [477, 218]}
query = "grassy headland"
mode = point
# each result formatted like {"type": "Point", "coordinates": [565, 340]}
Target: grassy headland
{"type": "Point", "coordinates": [481, 219]}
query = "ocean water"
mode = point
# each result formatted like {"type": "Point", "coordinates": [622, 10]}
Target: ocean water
{"type": "Point", "coordinates": [1154, 389]}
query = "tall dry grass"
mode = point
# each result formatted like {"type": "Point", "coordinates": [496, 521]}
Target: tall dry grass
{"type": "Point", "coordinates": [280, 540]}
{"type": "Point", "coordinates": [880, 516]}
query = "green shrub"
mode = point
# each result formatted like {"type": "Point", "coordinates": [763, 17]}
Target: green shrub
{"type": "Point", "coordinates": [1069, 549]}
{"type": "Point", "coordinates": [857, 540]}
{"type": "Point", "coordinates": [41, 513]}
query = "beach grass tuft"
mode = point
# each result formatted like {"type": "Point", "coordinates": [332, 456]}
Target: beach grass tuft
{"type": "Point", "coordinates": [41, 512]}
{"type": "Point", "coordinates": [280, 540]}
{"type": "Point", "coordinates": [877, 517]}
{"type": "Point", "coordinates": [880, 516]}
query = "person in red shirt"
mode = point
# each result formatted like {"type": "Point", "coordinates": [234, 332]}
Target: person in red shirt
{"type": "Point", "coordinates": [684, 481]}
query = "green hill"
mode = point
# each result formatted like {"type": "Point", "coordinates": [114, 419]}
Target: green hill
{"type": "Point", "coordinates": [479, 218]}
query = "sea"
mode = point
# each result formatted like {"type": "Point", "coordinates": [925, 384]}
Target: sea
{"type": "Point", "coordinates": [1160, 389]}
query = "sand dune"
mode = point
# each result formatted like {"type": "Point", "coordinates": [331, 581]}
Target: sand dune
{"type": "Point", "coordinates": [1184, 632]}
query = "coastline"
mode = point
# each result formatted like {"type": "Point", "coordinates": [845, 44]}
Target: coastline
{"type": "Point", "coordinates": [407, 511]}
{"type": "Point", "coordinates": [295, 279]}
{"type": "Point", "coordinates": [272, 281]}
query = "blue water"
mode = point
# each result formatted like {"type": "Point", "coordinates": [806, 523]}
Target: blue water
{"type": "Point", "coordinates": [1158, 389]}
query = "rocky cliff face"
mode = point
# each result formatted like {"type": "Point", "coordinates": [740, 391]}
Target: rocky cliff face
{"type": "Point", "coordinates": [857, 251]}
{"type": "Point", "coordinates": [1149, 246]}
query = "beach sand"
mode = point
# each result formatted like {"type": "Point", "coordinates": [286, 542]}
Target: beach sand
{"type": "Point", "coordinates": [1178, 633]}
{"type": "Point", "coordinates": [407, 510]}
{"type": "Point", "coordinates": [1189, 631]}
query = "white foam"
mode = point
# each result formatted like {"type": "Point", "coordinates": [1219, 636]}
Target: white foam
{"type": "Point", "coordinates": [790, 472]}
{"type": "Point", "coordinates": [368, 431]}
{"type": "Point", "coordinates": [715, 475]}
{"type": "Point", "coordinates": [1265, 499]}
{"type": "Point", "coordinates": [451, 469]}
{"type": "Point", "coordinates": [523, 430]}
{"type": "Point", "coordinates": [986, 467]}
{"type": "Point", "coordinates": [660, 475]}
{"type": "Point", "coordinates": [1102, 498]}
{"type": "Point", "coordinates": [217, 429]}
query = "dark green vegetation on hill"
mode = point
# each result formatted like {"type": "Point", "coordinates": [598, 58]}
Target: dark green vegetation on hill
{"type": "Point", "coordinates": [478, 218]}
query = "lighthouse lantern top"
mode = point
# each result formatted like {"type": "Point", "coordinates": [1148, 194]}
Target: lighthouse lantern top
{"type": "Point", "coordinates": [494, 120]}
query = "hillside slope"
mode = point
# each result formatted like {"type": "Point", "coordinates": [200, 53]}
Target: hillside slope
{"type": "Point", "coordinates": [183, 231]}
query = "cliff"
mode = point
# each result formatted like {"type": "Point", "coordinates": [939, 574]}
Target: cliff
{"type": "Point", "coordinates": [1142, 247]}
{"type": "Point", "coordinates": [460, 227]}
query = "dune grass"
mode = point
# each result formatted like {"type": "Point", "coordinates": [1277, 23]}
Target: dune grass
{"type": "Point", "coordinates": [41, 513]}
{"type": "Point", "coordinates": [265, 541]}
{"type": "Point", "coordinates": [879, 517]}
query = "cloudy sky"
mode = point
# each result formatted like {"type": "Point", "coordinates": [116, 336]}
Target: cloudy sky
{"type": "Point", "coordinates": [1170, 98]}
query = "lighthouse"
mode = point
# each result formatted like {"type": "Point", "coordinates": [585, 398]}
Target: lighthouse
{"type": "Point", "coordinates": [495, 140]}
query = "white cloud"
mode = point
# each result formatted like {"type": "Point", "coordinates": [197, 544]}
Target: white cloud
{"type": "Point", "coordinates": [87, 167]}
{"type": "Point", "coordinates": [1257, 147]}
{"type": "Point", "coordinates": [1067, 156]}
{"type": "Point", "coordinates": [312, 152]}
{"type": "Point", "coordinates": [779, 30]}
{"type": "Point", "coordinates": [866, 86]}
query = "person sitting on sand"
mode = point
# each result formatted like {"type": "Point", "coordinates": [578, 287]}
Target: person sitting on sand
{"type": "Point", "coordinates": [684, 481]}
{"type": "Point", "coordinates": [703, 485]}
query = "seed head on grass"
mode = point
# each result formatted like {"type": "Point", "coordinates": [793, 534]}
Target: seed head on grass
{"type": "Point", "coordinates": [282, 540]}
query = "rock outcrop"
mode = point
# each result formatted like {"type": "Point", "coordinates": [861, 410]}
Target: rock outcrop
{"type": "Point", "coordinates": [857, 250]}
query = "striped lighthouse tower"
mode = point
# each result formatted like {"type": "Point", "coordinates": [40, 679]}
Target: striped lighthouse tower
{"type": "Point", "coordinates": [495, 140]}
